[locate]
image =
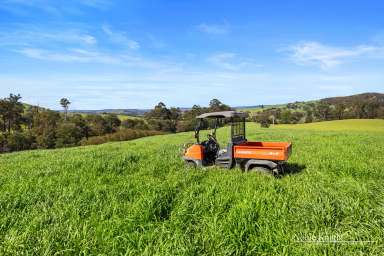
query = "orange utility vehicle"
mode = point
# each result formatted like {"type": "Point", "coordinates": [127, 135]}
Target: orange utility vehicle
{"type": "Point", "coordinates": [266, 157]}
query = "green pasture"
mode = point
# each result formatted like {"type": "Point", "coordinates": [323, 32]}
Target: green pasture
{"type": "Point", "coordinates": [137, 198]}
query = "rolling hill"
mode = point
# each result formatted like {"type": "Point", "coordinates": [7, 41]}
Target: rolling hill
{"type": "Point", "coordinates": [137, 197]}
{"type": "Point", "coordinates": [300, 105]}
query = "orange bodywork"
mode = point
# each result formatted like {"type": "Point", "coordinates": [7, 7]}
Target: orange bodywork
{"type": "Point", "coordinates": [275, 151]}
{"type": "Point", "coordinates": [195, 152]}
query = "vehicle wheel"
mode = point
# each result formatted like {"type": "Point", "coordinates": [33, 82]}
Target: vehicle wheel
{"type": "Point", "coordinates": [190, 164]}
{"type": "Point", "coordinates": [260, 169]}
{"type": "Point", "coordinates": [276, 172]}
{"type": "Point", "coordinates": [280, 168]}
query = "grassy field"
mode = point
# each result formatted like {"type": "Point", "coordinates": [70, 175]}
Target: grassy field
{"type": "Point", "coordinates": [363, 125]}
{"type": "Point", "coordinates": [125, 117]}
{"type": "Point", "coordinates": [137, 197]}
{"type": "Point", "coordinates": [120, 116]}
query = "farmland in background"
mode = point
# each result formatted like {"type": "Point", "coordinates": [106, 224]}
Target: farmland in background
{"type": "Point", "coordinates": [137, 197]}
{"type": "Point", "coordinates": [367, 125]}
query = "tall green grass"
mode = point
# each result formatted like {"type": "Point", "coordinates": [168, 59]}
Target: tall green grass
{"type": "Point", "coordinates": [137, 197]}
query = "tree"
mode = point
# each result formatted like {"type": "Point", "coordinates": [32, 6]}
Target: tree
{"type": "Point", "coordinates": [216, 105]}
{"type": "Point", "coordinates": [81, 123]}
{"type": "Point", "coordinates": [175, 115]}
{"type": "Point", "coordinates": [97, 125]}
{"type": "Point", "coordinates": [64, 102]}
{"type": "Point", "coordinates": [16, 111]}
{"type": "Point", "coordinates": [322, 111]}
{"type": "Point", "coordinates": [296, 117]}
{"type": "Point", "coordinates": [11, 110]}
{"type": "Point", "coordinates": [339, 111]}
{"type": "Point", "coordinates": [264, 120]}
{"type": "Point", "coordinates": [44, 128]}
{"type": "Point", "coordinates": [138, 124]}
{"type": "Point", "coordinates": [113, 122]}
{"type": "Point", "coordinates": [20, 141]}
{"type": "Point", "coordinates": [68, 134]}
{"type": "Point", "coordinates": [286, 116]}
{"type": "Point", "coordinates": [163, 119]}
{"type": "Point", "coordinates": [309, 116]}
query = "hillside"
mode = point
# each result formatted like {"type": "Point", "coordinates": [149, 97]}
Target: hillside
{"type": "Point", "coordinates": [301, 105]}
{"type": "Point", "coordinates": [126, 112]}
{"type": "Point", "coordinates": [137, 197]}
{"type": "Point", "coordinates": [367, 125]}
{"type": "Point", "coordinates": [363, 97]}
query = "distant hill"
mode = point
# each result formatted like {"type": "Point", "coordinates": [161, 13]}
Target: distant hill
{"type": "Point", "coordinates": [299, 105]}
{"type": "Point", "coordinates": [129, 112]}
{"type": "Point", "coordinates": [363, 97]}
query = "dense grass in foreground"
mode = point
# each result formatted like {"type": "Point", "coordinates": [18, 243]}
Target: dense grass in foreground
{"type": "Point", "coordinates": [136, 197]}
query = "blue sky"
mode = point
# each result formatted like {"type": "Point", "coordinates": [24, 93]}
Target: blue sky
{"type": "Point", "coordinates": [135, 53]}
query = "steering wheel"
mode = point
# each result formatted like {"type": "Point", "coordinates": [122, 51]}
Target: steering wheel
{"type": "Point", "coordinates": [211, 137]}
{"type": "Point", "coordinates": [212, 144]}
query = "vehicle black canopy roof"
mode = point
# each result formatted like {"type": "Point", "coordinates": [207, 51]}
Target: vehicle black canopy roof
{"type": "Point", "coordinates": [223, 114]}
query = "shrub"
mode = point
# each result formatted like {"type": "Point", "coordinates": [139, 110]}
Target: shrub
{"type": "Point", "coordinates": [68, 134]}
{"type": "Point", "coordinates": [19, 141]}
{"type": "Point", "coordinates": [264, 123]}
{"type": "Point", "coordinates": [121, 135]}
{"type": "Point", "coordinates": [134, 124]}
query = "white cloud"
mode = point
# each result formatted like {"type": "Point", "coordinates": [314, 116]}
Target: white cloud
{"type": "Point", "coordinates": [33, 35]}
{"type": "Point", "coordinates": [93, 56]}
{"type": "Point", "coordinates": [231, 61]}
{"type": "Point", "coordinates": [73, 55]}
{"type": "Point", "coordinates": [120, 38]}
{"type": "Point", "coordinates": [56, 8]}
{"type": "Point", "coordinates": [213, 29]}
{"type": "Point", "coordinates": [98, 4]}
{"type": "Point", "coordinates": [315, 53]}
{"type": "Point", "coordinates": [132, 89]}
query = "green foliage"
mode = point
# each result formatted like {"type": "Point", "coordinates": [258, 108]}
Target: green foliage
{"type": "Point", "coordinates": [68, 134]}
{"type": "Point", "coordinates": [11, 110]}
{"type": "Point", "coordinates": [112, 122]}
{"type": "Point", "coordinates": [25, 127]}
{"type": "Point", "coordinates": [163, 119]}
{"type": "Point", "coordinates": [363, 106]}
{"type": "Point", "coordinates": [64, 102]}
{"type": "Point", "coordinates": [139, 124]}
{"type": "Point", "coordinates": [216, 105]}
{"type": "Point", "coordinates": [121, 135]}
{"type": "Point", "coordinates": [97, 125]}
{"type": "Point", "coordinates": [137, 198]}
{"type": "Point", "coordinates": [19, 141]}
{"type": "Point", "coordinates": [44, 127]}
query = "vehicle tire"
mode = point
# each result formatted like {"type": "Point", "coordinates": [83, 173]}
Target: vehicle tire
{"type": "Point", "coordinates": [280, 168]}
{"type": "Point", "coordinates": [190, 164]}
{"type": "Point", "coordinates": [260, 169]}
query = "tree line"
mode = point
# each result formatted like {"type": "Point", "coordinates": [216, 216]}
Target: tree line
{"type": "Point", "coordinates": [363, 106]}
{"type": "Point", "coordinates": [173, 119]}
{"type": "Point", "coordinates": [30, 127]}
{"type": "Point", "coordinates": [25, 127]}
